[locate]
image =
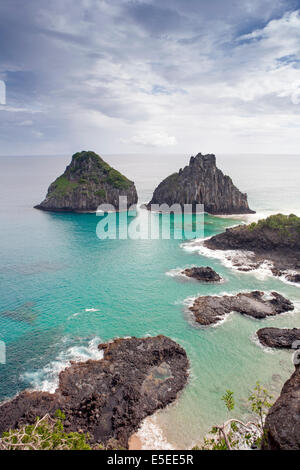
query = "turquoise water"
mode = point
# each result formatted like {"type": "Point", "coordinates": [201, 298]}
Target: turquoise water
{"type": "Point", "coordinates": [62, 289]}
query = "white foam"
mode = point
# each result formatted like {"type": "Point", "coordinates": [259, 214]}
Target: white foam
{"type": "Point", "coordinates": [91, 310]}
{"type": "Point", "coordinates": [47, 378]}
{"type": "Point", "coordinates": [233, 259]}
{"type": "Point", "coordinates": [151, 435]}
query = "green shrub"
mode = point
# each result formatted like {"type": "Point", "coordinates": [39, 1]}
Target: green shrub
{"type": "Point", "coordinates": [46, 434]}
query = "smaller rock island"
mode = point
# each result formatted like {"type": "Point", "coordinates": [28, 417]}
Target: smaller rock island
{"type": "Point", "coordinates": [208, 310]}
{"type": "Point", "coordinates": [201, 182]}
{"type": "Point", "coordinates": [281, 338]}
{"type": "Point", "coordinates": [202, 274]}
{"type": "Point", "coordinates": [86, 183]}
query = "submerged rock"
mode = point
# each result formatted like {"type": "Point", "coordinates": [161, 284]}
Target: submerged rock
{"type": "Point", "coordinates": [201, 182]}
{"type": "Point", "coordinates": [86, 183]}
{"type": "Point", "coordinates": [275, 239]}
{"type": "Point", "coordinates": [282, 425]}
{"type": "Point", "coordinates": [108, 398]}
{"type": "Point", "coordinates": [203, 274]}
{"type": "Point", "coordinates": [208, 310]}
{"type": "Point", "coordinates": [278, 337]}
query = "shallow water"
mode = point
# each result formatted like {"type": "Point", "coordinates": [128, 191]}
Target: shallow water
{"type": "Point", "coordinates": [65, 290]}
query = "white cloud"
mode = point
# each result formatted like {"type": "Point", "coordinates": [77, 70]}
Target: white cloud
{"type": "Point", "coordinates": [152, 139]}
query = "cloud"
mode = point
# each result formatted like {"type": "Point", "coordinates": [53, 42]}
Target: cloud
{"type": "Point", "coordinates": [152, 139]}
{"type": "Point", "coordinates": [120, 74]}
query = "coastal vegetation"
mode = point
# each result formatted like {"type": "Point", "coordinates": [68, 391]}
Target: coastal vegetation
{"type": "Point", "coordinates": [45, 434]}
{"type": "Point", "coordinates": [284, 224]}
{"type": "Point", "coordinates": [236, 434]}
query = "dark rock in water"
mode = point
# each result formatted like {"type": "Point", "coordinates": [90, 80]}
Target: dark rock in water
{"type": "Point", "coordinates": [86, 183]}
{"type": "Point", "coordinates": [278, 337]}
{"type": "Point", "coordinates": [293, 277]}
{"type": "Point", "coordinates": [208, 310]}
{"type": "Point", "coordinates": [282, 425]}
{"type": "Point", "coordinates": [275, 239]}
{"type": "Point", "coordinates": [201, 182]}
{"type": "Point", "coordinates": [204, 274]}
{"type": "Point", "coordinates": [109, 398]}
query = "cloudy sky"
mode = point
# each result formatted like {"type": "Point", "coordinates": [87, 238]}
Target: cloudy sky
{"type": "Point", "coordinates": [142, 76]}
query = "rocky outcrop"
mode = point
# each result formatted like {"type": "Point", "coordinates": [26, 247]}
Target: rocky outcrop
{"type": "Point", "coordinates": [282, 425]}
{"type": "Point", "coordinates": [201, 182]}
{"type": "Point", "coordinates": [86, 183]}
{"type": "Point", "coordinates": [208, 310]}
{"type": "Point", "coordinates": [109, 398]}
{"type": "Point", "coordinates": [202, 274]}
{"type": "Point", "coordinates": [275, 239]}
{"type": "Point", "coordinates": [278, 337]}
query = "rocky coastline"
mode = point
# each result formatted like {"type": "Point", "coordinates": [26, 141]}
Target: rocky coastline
{"type": "Point", "coordinates": [282, 425]}
{"type": "Point", "coordinates": [108, 398]}
{"type": "Point", "coordinates": [275, 240]}
{"type": "Point", "coordinates": [209, 310]}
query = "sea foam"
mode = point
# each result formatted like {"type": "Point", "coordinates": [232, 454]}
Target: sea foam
{"type": "Point", "coordinates": [46, 379]}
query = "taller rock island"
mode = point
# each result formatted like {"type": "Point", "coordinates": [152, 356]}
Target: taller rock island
{"type": "Point", "coordinates": [86, 183]}
{"type": "Point", "coordinates": [201, 182]}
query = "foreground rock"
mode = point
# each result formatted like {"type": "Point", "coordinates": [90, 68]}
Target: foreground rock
{"type": "Point", "coordinates": [203, 274]}
{"type": "Point", "coordinates": [275, 239]}
{"type": "Point", "coordinates": [86, 183]}
{"type": "Point", "coordinates": [278, 337]}
{"type": "Point", "coordinates": [109, 398]}
{"type": "Point", "coordinates": [201, 182]}
{"type": "Point", "coordinates": [282, 425]}
{"type": "Point", "coordinates": [209, 310]}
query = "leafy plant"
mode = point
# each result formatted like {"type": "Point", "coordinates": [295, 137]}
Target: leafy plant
{"type": "Point", "coordinates": [46, 434]}
{"type": "Point", "coordinates": [234, 433]}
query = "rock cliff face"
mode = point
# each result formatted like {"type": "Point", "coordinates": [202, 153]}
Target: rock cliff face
{"type": "Point", "coordinates": [108, 398]}
{"type": "Point", "coordinates": [86, 183]}
{"type": "Point", "coordinates": [282, 425]}
{"type": "Point", "coordinates": [201, 182]}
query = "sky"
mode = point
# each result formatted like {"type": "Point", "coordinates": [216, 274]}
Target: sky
{"type": "Point", "coordinates": [150, 76]}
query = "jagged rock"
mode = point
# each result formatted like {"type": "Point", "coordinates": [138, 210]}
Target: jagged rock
{"type": "Point", "coordinates": [278, 337]}
{"type": "Point", "coordinates": [86, 183]}
{"type": "Point", "coordinates": [293, 277]}
{"type": "Point", "coordinates": [282, 425]}
{"type": "Point", "coordinates": [201, 182]}
{"type": "Point", "coordinates": [108, 398]}
{"type": "Point", "coordinates": [208, 310]}
{"type": "Point", "coordinates": [275, 239]}
{"type": "Point", "coordinates": [203, 274]}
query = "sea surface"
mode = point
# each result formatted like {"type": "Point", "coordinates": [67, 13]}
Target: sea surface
{"type": "Point", "coordinates": [63, 290]}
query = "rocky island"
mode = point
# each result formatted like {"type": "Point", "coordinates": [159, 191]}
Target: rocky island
{"type": "Point", "coordinates": [201, 182]}
{"type": "Point", "coordinates": [202, 274]}
{"type": "Point", "coordinates": [108, 398]}
{"type": "Point", "coordinates": [208, 310]}
{"type": "Point", "coordinates": [86, 183]}
{"type": "Point", "coordinates": [281, 338]}
{"type": "Point", "coordinates": [275, 239]}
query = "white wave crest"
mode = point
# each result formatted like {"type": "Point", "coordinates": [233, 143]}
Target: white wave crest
{"type": "Point", "coordinates": [151, 435]}
{"type": "Point", "coordinates": [47, 378]}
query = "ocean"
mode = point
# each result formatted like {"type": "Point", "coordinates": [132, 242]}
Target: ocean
{"type": "Point", "coordinates": [63, 290]}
